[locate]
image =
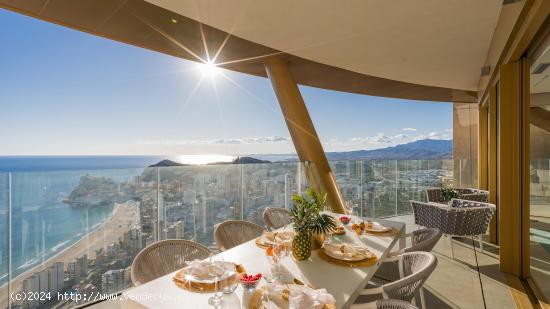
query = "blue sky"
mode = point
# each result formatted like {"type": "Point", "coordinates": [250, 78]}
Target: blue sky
{"type": "Point", "coordinates": [65, 92]}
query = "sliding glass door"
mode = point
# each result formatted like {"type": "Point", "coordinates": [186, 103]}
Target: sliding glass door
{"type": "Point", "coordinates": [539, 179]}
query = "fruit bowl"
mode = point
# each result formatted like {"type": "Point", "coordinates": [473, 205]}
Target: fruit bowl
{"type": "Point", "coordinates": [250, 281]}
{"type": "Point", "coordinates": [339, 230]}
{"type": "Point", "coordinates": [345, 220]}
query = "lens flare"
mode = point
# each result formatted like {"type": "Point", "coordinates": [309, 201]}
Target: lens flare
{"type": "Point", "coordinates": [209, 69]}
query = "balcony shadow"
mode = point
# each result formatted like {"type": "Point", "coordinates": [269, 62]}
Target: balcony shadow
{"type": "Point", "coordinates": [317, 275]}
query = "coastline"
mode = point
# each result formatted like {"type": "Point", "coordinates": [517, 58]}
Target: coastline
{"type": "Point", "coordinates": [124, 216]}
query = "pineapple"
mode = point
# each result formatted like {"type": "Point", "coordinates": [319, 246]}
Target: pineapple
{"type": "Point", "coordinates": [307, 220]}
{"type": "Point", "coordinates": [301, 246]}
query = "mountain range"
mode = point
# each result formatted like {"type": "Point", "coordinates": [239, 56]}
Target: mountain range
{"type": "Point", "coordinates": [426, 149]}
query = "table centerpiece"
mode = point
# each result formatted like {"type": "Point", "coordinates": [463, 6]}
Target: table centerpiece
{"type": "Point", "coordinates": [309, 223]}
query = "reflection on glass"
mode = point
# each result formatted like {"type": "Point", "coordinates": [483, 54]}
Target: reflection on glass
{"type": "Point", "coordinates": [540, 173]}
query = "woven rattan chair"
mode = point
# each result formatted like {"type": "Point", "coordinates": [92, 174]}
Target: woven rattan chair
{"type": "Point", "coordinates": [463, 218]}
{"type": "Point", "coordinates": [434, 195]}
{"type": "Point", "coordinates": [385, 304]}
{"type": "Point", "coordinates": [276, 218]}
{"type": "Point", "coordinates": [164, 257]}
{"type": "Point", "coordinates": [477, 197]}
{"type": "Point", "coordinates": [414, 270]}
{"type": "Point", "coordinates": [421, 240]}
{"type": "Point", "coordinates": [232, 233]}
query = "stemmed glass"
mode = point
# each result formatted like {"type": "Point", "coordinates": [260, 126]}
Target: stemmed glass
{"type": "Point", "coordinates": [328, 237]}
{"type": "Point", "coordinates": [273, 262]}
{"type": "Point", "coordinates": [217, 270]}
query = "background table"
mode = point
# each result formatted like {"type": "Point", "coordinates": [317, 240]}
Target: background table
{"type": "Point", "coordinates": [344, 283]}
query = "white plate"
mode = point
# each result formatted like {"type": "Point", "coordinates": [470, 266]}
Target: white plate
{"type": "Point", "coordinates": [347, 252]}
{"type": "Point", "coordinates": [375, 227]}
{"type": "Point", "coordinates": [268, 238]}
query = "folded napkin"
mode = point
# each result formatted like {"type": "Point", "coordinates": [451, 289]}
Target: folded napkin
{"type": "Point", "coordinates": [297, 297]}
{"type": "Point", "coordinates": [283, 236]}
{"type": "Point", "coordinates": [306, 297]}
{"type": "Point", "coordinates": [347, 251]}
{"type": "Point", "coordinates": [206, 270]}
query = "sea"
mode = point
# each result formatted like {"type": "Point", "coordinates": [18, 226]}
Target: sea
{"type": "Point", "coordinates": [42, 225]}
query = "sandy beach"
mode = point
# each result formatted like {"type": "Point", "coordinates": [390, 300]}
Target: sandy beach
{"type": "Point", "coordinates": [124, 217]}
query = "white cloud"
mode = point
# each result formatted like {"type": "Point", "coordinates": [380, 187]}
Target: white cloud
{"type": "Point", "coordinates": [224, 141]}
{"type": "Point", "coordinates": [372, 140]}
{"type": "Point", "coordinates": [380, 140]}
{"type": "Point", "coordinates": [281, 144]}
{"type": "Point", "coordinates": [433, 135]}
{"type": "Point", "coordinates": [409, 129]}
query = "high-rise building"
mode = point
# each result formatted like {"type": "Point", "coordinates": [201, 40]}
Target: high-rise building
{"type": "Point", "coordinates": [112, 281]}
{"type": "Point", "coordinates": [132, 239]}
{"type": "Point", "coordinates": [56, 277]}
{"type": "Point", "coordinates": [189, 197]}
{"type": "Point", "coordinates": [175, 231]}
{"type": "Point", "coordinates": [31, 284]}
{"type": "Point", "coordinates": [79, 268]}
{"type": "Point", "coordinates": [43, 282]}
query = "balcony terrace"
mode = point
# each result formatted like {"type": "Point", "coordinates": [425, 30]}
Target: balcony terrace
{"type": "Point", "coordinates": [104, 217]}
{"type": "Point", "coordinates": [115, 213]}
{"type": "Point", "coordinates": [471, 280]}
{"type": "Point", "coordinates": [76, 232]}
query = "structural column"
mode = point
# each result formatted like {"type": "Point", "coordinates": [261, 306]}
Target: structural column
{"type": "Point", "coordinates": [513, 160]}
{"type": "Point", "coordinates": [303, 134]}
{"type": "Point", "coordinates": [492, 180]}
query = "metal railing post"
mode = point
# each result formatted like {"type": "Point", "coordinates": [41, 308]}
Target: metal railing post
{"type": "Point", "coordinates": [361, 186]}
{"type": "Point", "coordinates": [396, 184]}
{"type": "Point", "coordinates": [242, 193]}
{"type": "Point", "coordinates": [9, 237]}
{"type": "Point", "coordinates": [157, 232]}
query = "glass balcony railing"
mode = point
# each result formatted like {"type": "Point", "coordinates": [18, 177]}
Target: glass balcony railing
{"type": "Point", "coordinates": [64, 234]}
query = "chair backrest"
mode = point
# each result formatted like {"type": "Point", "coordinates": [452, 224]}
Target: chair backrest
{"type": "Point", "coordinates": [416, 267]}
{"type": "Point", "coordinates": [424, 240]}
{"type": "Point", "coordinates": [385, 304]}
{"type": "Point", "coordinates": [456, 221]}
{"type": "Point", "coordinates": [478, 197]}
{"type": "Point", "coordinates": [465, 203]}
{"type": "Point", "coordinates": [434, 195]}
{"type": "Point", "coordinates": [164, 257]}
{"type": "Point", "coordinates": [275, 218]}
{"type": "Point", "coordinates": [393, 304]}
{"type": "Point", "coordinates": [232, 233]}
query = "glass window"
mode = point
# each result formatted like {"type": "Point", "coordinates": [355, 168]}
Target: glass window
{"type": "Point", "coordinates": [540, 172]}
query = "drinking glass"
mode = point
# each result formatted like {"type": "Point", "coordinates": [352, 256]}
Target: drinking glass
{"type": "Point", "coordinates": [273, 265]}
{"type": "Point", "coordinates": [328, 237]}
{"type": "Point", "coordinates": [216, 270]}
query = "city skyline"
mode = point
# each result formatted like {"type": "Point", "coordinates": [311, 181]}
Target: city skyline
{"type": "Point", "coordinates": [71, 93]}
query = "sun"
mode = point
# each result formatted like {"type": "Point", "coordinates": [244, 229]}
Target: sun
{"type": "Point", "coordinates": [209, 69]}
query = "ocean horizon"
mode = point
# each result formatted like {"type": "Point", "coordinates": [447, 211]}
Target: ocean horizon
{"type": "Point", "coordinates": [59, 163]}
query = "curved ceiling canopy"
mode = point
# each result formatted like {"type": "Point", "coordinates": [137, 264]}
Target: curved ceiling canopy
{"type": "Point", "coordinates": [428, 42]}
{"type": "Point", "coordinates": [424, 49]}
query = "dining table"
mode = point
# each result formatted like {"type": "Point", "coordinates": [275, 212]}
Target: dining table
{"type": "Point", "coordinates": [343, 282]}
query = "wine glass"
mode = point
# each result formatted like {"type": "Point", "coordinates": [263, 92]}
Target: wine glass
{"type": "Point", "coordinates": [217, 270]}
{"type": "Point", "coordinates": [328, 237]}
{"type": "Point", "coordinates": [273, 261]}
{"type": "Point", "coordinates": [283, 241]}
